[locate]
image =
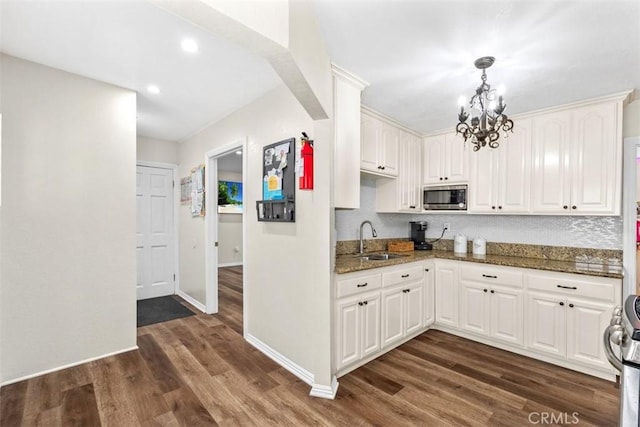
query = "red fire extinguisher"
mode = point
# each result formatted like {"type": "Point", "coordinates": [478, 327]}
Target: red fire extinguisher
{"type": "Point", "coordinates": [306, 155]}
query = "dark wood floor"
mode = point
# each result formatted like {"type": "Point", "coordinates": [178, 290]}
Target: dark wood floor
{"type": "Point", "coordinates": [199, 371]}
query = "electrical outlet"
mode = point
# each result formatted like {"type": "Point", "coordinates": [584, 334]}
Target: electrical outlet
{"type": "Point", "coordinates": [447, 225]}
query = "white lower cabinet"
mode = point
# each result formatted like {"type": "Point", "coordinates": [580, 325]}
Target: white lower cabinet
{"type": "Point", "coordinates": [491, 303]}
{"type": "Point", "coordinates": [446, 294]}
{"type": "Point", "coordinates": [402, 312]}
{"type": "Point", "coordinates": [546, 324]}
{"type": "Point", "coordinates": [556, 317]}
{"type": "Point", "coordinates": [568, 327]}
{"type": "Point", "coordinates": [566, 315]}
{"type": "Point", "coordinates": [358, 326]}
{"type": "Point", "coordinates": [507, 317]}
{"type": "Point", "coordinates": [586, 321]}
{"type": "Point", "coordinates": [429, 293]}
{"type": "Point", "coordinates": [378, 309]}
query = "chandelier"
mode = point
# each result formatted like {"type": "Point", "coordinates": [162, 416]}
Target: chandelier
{"type": "Point", "coordinates": [487, 113]}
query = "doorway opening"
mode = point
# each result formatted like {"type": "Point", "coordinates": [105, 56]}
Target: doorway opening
{"type": "Point", "coordinates": [225, 225]}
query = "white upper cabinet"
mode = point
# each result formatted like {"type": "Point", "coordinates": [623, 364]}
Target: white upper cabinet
{"type": "Point", "coordinates": [500, 178]}
{"type": "Point", "coordinates": [388, 148]}
{"type": "Point", "coordinates": [403, 193]}
{"type": "Point", "coordinates": [577, 158]}
{"type": "Point", "coordinates": [445, 159]}
{"type": "Point", "coordinates": [347, 89]}
{"type": "Point", "coordinates": [379, 146]}
{"type": "Point", "coordinates": [551, 169]}
{"type": "Point", "coordinates": [596, 160]}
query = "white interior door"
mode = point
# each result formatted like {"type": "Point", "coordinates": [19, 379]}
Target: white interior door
{"type": "Point", "coordinates": [154, 234]}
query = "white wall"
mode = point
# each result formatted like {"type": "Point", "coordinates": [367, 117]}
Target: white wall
{"type": "Point", "coordinates": [68, 220]}
{"type": "Point", "coordinates": [230, 229]}
{"type": "Point", "coordinates": [288, 266]}
{"type": "Point", "coordinates": [284, 261]}
{"type": "Point", "coordinates": [156, 150]}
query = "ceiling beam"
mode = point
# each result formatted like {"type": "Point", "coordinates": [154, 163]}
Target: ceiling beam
{"type": "Point", "coordinates": [236, 22]}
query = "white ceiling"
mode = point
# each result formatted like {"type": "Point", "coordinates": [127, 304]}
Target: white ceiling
{"type": "Point", "coordinates": [133, 44]}
{"type": "Point", "coordinates": [417, 55]}
{"type": "Point", "coordinates": [231, 162]}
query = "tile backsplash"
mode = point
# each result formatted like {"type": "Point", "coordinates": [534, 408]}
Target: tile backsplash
{"type": "Point", "coordinates": [575, 231]}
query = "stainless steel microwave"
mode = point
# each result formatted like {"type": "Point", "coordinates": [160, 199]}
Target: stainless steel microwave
{"type": "Point", "coordinates": [445, 198]}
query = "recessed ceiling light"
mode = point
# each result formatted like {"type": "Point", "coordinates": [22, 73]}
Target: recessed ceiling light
{"type": "Point", "coordinates": [239, 153]}
{"type": "Point", "coordinates": [189, 45]}
{"type": "Point", "coordinates": [153, 89]}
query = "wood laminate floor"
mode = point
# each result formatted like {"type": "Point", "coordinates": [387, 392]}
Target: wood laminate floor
{"type": "Point", "coordinates": [199, 371]}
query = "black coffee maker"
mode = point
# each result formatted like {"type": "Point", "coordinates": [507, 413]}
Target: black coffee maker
{"type": "Point", "coordinates": [418, 230]}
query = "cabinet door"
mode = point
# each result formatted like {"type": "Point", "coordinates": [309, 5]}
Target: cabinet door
{"type": "Point", "coordinates": [586, 322]}
{"type": "Point", "coordinates": [414, 174]}
{"type": "Point", "coordinates": [546, 324]}
{"type": "Point", "coordinates": [483, 180]}
{"type": "Point", "coordinates": [409, 174]}
{"type": "Point", "coordinates": [456, 158]}
{"type": "Point", "coordinates": [414, 307]}
{"type": "Point", "coordinates": [514, 170]}
{"type": "Point", "coordinates": [446, 290]}
{"type": "Point", "coordinates": [474, 307]}
{"type": "Point", "coordinates": [392, 316]}
{"type": "Point", "coordinates": [370, 321]}
{"type": "Point", "coordinates": [507, 317]}
{"type": "Point", "coordinates": [369, 141]}
{"type": "Point", "coordinates": [551, 173]}
{"type": "Point", "coordinates": [388, 154]}
{"type": "Point", "coordinates": [596, 157]}
{"type": "Point", "coordinates": [433, 166]}
{"type": "Point", "coordinates": [348, 331]}
{"type": "Point", "coordinates": [429, 293]}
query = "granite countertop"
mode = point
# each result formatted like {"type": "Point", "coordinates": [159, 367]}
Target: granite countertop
{"type": "Point", "coordinates": [348, 263]}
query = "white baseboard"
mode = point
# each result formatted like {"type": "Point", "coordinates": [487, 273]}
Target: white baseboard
{"type": "Point", "coordinates": [194, 302]}
{"type": "Point", "coordinates": [325, 392]}
{"type": "Point", "coordinates": [281, 360]}
{"type": "Point", "coordinates": [70, 365]}
{"type": "Point", "coordinates": [230, 264]}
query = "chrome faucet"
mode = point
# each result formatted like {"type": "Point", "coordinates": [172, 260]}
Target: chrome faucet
{"type": "Point", "coordinates": [373, 234]}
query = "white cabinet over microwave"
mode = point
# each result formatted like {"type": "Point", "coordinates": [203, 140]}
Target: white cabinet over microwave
{"type": "Point", "coordinates": [446, 159]}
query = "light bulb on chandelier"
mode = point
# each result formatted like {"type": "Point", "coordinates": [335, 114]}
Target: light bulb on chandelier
{"type": "Point", "coordinates": [486, 109]}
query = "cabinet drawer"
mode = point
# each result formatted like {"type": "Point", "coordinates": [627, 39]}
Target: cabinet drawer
{"type": "Point", "coordinates": [600, 288]}
{"type": "Point", "coordinates": [357, 284]}
{"type": "Point", "coordinates": [492, 275]}
{"type": "Point", "coordinates": [402, 275]}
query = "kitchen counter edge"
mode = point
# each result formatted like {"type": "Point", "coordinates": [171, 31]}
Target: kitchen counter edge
{"type": "Point", "coordinates": [351, 263]}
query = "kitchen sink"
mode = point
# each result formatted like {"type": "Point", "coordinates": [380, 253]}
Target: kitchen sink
{"type": "Point", "coordinates": [380, 257]}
